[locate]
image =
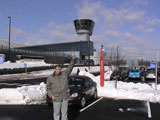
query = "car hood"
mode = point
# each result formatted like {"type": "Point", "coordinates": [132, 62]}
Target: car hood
{"type": "Point", "coordinates": [150, 73]}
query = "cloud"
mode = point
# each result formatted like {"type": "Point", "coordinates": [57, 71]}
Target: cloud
{"type": "Point", "coordinates": [17, 34]}
{"type": "Point", "coordinates": [130, 3]}
{"type": "Point", "coordinates": [60, 33]}
{"type": "Point", "coordinates": [149, 30]}
{"type": "Point", "coordinates": [131, 39]}
{"type": "Point", "coordinates": [123, 16]}
{"type": "Point", "coordinates": [110, 33]}
{"type": "Point", "coordinates": [35, 39]}
{"type": "Point", "coordinates": [148, 26]}
{"type": "Point", "coordinates": [89, 10]}
{"type": "Point", "coordinates": [99, 13]}
{"type": "Point", "coordinates": [130, 16]}
{"type": "Point", "coordinates": [143, 28]}
{"type": "Point", "coordinates": [153, 22]}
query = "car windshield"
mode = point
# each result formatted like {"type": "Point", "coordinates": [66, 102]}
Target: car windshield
{"type": "Point", "coordinates": [123, 68]}
{"type": "Point", "coordinates": [134, 70]}
{"type": "Point", "coordinates": [151, 71]}
{"type": "Point", "coordinates": [73, 81]}
{"type": "Point", "coordinates": [116, 72]}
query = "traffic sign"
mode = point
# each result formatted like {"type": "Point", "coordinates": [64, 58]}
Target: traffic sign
{"type": "Point", "coordinates": [25, 64]}
{"type": "Point", "coordinates": [152, 64]}
{"type": "Point", "coordinates": [1, 59]}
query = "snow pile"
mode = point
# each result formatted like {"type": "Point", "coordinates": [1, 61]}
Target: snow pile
{"type": "Point", "coordinates": [11, 96]}
{"type": "Point", "coordinates": [23, 95]}
{"type": "Point", "coordinates": [136, 91]}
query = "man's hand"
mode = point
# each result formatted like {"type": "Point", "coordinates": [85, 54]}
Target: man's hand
{"type": "Point", "coordinates": [53, 98]}
{"type": "Point", "coordinates": [73, 56]}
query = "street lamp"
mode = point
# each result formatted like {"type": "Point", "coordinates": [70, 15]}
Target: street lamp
{"type": "Point", "coordinates": [9, 17]}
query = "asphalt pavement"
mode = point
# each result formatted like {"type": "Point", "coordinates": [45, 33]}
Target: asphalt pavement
{"type": "Point", "coordinates": [105, 109]}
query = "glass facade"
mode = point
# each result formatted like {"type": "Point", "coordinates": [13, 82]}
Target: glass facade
{"type": "Point", "coordinates": [80, 48]}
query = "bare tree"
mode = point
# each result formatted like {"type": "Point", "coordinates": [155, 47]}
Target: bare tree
{"type": "Point", "coordinates": [114, 57]}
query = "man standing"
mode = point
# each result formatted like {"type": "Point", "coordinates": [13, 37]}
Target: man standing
{"type": "Point", "coordinates": [58, 90]}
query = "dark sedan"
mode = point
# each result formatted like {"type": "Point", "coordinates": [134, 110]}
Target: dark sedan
{"type": "Point", "coordinates": [82, 88]}
{"type": "Point", "coordinates": [120, 74]}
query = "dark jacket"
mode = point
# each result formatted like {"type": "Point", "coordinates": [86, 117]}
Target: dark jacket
{"type": "Point", "coordinates": [57, 84]}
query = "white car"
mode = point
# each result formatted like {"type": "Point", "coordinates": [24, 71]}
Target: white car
{"type": "Point", "coordinates": [150, 74]}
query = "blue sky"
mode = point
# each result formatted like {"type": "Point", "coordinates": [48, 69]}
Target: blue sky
{"type": "Point", "coordinates": [133, 25]}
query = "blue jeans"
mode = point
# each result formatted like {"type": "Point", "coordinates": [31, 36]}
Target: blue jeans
{"type": "Point", "coordinates": [60, 108]}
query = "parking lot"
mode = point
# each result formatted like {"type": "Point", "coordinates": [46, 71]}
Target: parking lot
{"type": "Point", "coordinates": [99, 109]}
{"type": "Point", "coordinates": [103, 109]}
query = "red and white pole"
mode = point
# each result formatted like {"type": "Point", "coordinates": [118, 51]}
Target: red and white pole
{"type": "Point", "coordinates": [102, 67]}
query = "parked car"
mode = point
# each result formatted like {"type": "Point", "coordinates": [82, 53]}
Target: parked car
{"type": "Point", "coordinates": [134, 73]}
{"type": "Point", "coordinates": [124, 73]}
{"type": "Point", "coordinates": [150, 73]}
{"type": "Point", "coordinates": [82, 89]}
{"type": "Point", "coordinates": [120, 74]}
{"type": "Point", "coordinates": [115, 75]}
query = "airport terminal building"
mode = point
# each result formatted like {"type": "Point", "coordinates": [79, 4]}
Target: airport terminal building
{"type": "Point", "coordinates": [51, 53]}
{"type": "Point", "coordinates": [79, 48]}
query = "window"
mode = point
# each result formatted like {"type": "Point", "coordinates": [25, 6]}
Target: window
{"type": "Point", "coordinates": [74, 81]}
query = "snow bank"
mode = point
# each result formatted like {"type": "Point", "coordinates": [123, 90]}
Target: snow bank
{"type": "Point", "coordinates": [36, 94]}
{"type": "Point", "coordinates": [136, 91]}
{"type": "Point", "coordinates": [21, 65]}
{"type": "Point", "coordinates": [23, 95]}
{"type": "Point", "coordinates": [74, 71]}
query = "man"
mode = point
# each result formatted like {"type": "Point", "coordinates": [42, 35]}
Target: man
{"type": "Point", "coordinates": [58, 90]}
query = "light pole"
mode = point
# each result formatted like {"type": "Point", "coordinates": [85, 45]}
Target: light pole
{"type": "Point", "coordinates": [89, 52]}
{"type": "Point", "coordinates": [9, 37]}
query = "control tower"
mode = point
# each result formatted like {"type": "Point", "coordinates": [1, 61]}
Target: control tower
{"type": "Point", "coordinates": [84, 29]}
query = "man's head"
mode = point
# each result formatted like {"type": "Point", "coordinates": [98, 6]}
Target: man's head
{"type": "Point", "coordinates": [58, 69]}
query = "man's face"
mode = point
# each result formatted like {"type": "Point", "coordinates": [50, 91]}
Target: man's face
{"type": "Point", "coordinates": [58, 70]}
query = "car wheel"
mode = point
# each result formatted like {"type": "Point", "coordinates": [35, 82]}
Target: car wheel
{"type": "Point", "coordinates": [83, 102]}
